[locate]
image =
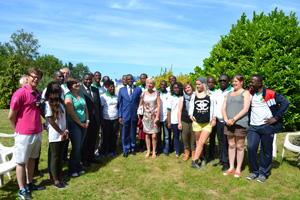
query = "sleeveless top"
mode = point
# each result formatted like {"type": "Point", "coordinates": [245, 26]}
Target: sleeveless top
{"type": "Point", "coordinates": [202, 109]}
{"type": "Point", "coordinates": [185, 110]}
{"type": "Point", "coordinates": [234, 105]}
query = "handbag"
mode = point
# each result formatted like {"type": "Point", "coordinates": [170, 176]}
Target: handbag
{"type": "Point", "coordinates": [140, 110]}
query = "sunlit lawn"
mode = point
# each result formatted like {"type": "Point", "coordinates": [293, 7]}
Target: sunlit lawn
{"type": "Point", "coordinates": [160, 178]}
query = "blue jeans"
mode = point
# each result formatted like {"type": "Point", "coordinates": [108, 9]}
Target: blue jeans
{"type": "Point", "coordinates": [263, 134]}
{"type": "Point", "coordinates": [176, 133]}
{"type": "Point", "coordinates": [77, 135]}
{"type": "Point", "coordinates": [163, 146]}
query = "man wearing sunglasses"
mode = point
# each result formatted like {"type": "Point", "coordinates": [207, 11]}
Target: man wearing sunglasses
{"type": "Point", "coordinates": [225, 88]}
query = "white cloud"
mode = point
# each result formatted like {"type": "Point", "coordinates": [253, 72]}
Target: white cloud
{"type": "Point", "coordinates": [129, 5]}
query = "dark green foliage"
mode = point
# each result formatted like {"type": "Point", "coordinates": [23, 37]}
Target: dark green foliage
{"type": "Point", "coordinates": [44, 82]}
{"type": "Point", "coordinates": [48, 64]}
{"type": "Point", "coordinates": [78, 71]}
{"type": "Point", "coordinates": [268, 45]}
{"type": "Point", "coordinates": [25, 47]}
{"type": "Point", "coordinates": [9, 82]}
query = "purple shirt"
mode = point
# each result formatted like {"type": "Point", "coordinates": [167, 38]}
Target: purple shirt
{"type": "Point", "coordinates": [28, 117]}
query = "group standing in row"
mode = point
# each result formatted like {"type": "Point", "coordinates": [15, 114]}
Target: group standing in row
{"type": "Point", "coordinates": [80, 111]}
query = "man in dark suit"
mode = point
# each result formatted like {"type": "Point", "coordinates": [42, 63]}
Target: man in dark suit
{"type": "Point", "coordinates": [92, 98]}
{"type": "Point", "coordinates": [129, 99]}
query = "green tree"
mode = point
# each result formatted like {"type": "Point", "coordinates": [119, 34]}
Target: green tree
{"type": "Point", "coordinates": [44, 82]}
{"type": "Point", "coordinates": [25, 47]}
{"type": "Point", "coordinates": [9, 82]}
{"type": "Point", "coordinates": [268, 45]}
{"type": "Point", "coordinates": [78, 71]}
{"type": "Point", "coordinates": [4, 56]}
{"type": "Point", "coordinates": [48, 64]}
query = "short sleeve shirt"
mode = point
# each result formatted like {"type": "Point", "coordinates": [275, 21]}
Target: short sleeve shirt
{"type": "Point", "coordinates": [28, 117]}
{"type": "Point", "coordinates": [53, 135]}
{"type": "Point", "coordinates": [163, 105]}
{"type": "Point", "coordinates": [110, 106]}
{"type": "Point", "coordinates": [173, 103]}
{"type": "Point", "coordinates": [78, 106]}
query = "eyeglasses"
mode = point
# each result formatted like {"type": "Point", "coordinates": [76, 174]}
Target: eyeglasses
{"type": "Point", "coordinates": [35, 77]}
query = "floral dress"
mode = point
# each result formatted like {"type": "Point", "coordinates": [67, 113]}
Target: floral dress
{"type": "Point", "coordinates": [150, 110]}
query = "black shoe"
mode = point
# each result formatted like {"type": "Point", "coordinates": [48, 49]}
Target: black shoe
{"type": "Point", "coordinates": [195, 164]}
{"type": "Point", "coordinates": [60, 185]}
{"type": "Point", "coordinates": [24, 194]}
{"type": "Point", "coordinates": [86, 164]}
{"type": "Point", "coordinates": [225, 167]}
{"type": "Point", "coordinates": [64, 183]}
{"type": "Point", "coordinates": [217, 164]}
{"type": "Point", "coordinates": [125, 155]}
{"type": "Point", "coordinates": [31, 186]}
{"type": "Point", "coordinates": [166, 154]}
{"type": "Point", "coordinates": [133, 153]}
{"type": "Point", "coordinates": [94, 161]}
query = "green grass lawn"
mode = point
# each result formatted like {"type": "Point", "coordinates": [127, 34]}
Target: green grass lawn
{"type": "Point", "coordinates": [160, 178]}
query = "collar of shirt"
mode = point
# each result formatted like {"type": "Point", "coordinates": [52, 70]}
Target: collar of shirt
{"type": "Point", "coordinates": [259, 93]}
{"type": "Point", "coordinates": [112, 96]}
{"type": "Point", "coordinates": [128, 87]}
{"type": "Point", "coordinates": [174, 95]}
{"type": "Point", "coordinates": [87, 88]}
{"type": "Point", "coordinates": [96, 86]}
{"type": "Point", "coordinates": [227, 89]}
{"type": "Point", "coordinates": [166, 92]}
{"type": "Point", "coordinates": [213, 90]}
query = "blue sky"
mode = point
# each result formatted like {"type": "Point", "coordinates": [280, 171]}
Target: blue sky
{"type": "Point", "coordinates": [118, 37]}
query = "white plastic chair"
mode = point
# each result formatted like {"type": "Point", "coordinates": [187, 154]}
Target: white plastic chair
{"type": "Point", "coordinates": [289, 146]}
{"type": "Point", "coordinates": [6, 167]}
{"type": "Point", "coordinates": [274, 153]}
{"type": "Point", "coordinates": [5, 152]}
{"type": "Point", "coordinates": [6, 135]}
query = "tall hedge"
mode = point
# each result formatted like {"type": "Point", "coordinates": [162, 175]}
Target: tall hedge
{"type": "Point", "coordinates": [268, 45]}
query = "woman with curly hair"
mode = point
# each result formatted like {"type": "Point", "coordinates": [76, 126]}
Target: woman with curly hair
{"type": "Point", "coordinates": [57, 130]}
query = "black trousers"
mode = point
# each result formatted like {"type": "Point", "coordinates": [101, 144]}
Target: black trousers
{"type": "Point", "coordinates": [212, 144]}
{"type": "Point", "coordinates": [223, 143]}
{"type": "Point", "coordinates": [56, 149]}
{"type": "Point", "coordinates": [88, 148]}
{"type": "Point", "coordinates": [110, 136]}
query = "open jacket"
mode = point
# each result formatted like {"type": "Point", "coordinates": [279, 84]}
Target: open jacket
{"type": "Point", "coordinates": [274, 99]}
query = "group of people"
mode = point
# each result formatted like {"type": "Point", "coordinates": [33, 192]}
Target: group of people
{"type": "Point", "coordinates": [79, 111]}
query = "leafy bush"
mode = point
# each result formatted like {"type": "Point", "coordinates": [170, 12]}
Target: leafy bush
{"type": "Point", "coordinates": [9, 82]}
{"type": "Point", "coordinates": [268, 45]}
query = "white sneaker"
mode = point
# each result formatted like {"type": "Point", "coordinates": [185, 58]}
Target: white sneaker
{"type": "Point", "coordinates": [74, 174]}
{"type": "Point", "coordinates": [81, 172]}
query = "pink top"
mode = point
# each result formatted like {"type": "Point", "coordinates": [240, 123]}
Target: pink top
{"type": "Point", "coordinates": [28, 117]}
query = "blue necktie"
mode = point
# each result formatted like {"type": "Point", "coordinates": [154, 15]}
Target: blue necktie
{"type": "Point", "coordinates": [130, 93]}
